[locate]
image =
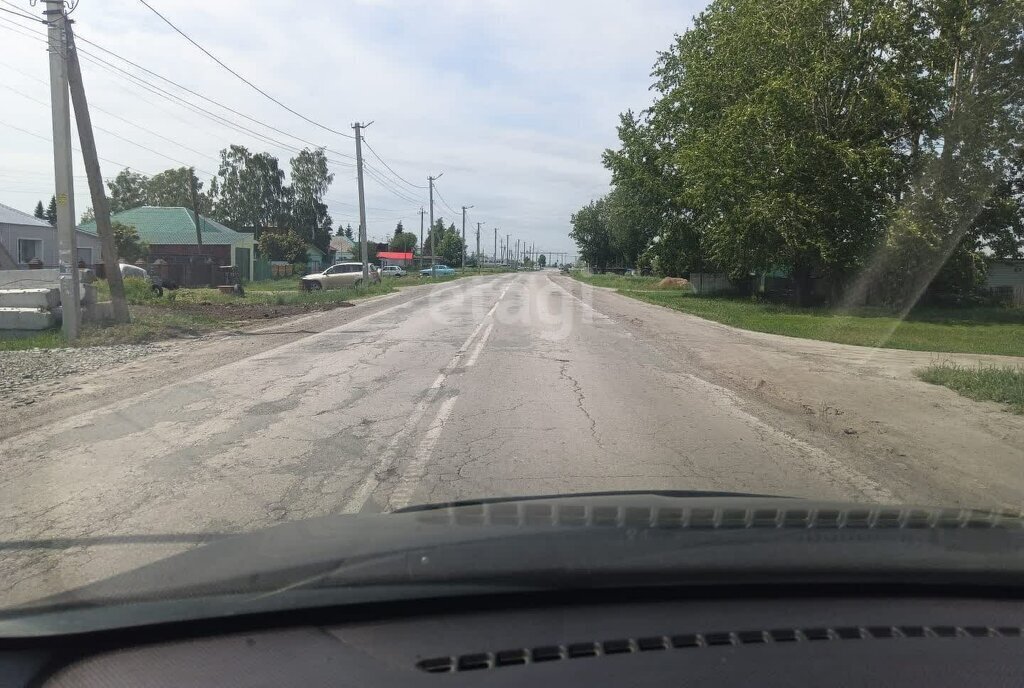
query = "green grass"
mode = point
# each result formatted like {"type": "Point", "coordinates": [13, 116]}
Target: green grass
{"type": "Point", "coordinates": [621, 282]}
{"type": "Point", "coordinates": [980, 330]}
{"type": "Point", "coordinates": [46, 339]}
{"type": "Point", "coordinates": [984, 383]}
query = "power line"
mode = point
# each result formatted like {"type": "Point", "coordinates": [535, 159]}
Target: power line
{"type": "Point", "coordinates": [21, 13]}
{"type": "Point", "coordinates": [400, 177]}
{"type": "Point", "coordinates": [185, 88]}
{"type": "Point", "coordinates": [49, 140]}
{"type": "Point", "coordinates": [376, 175]}
{"type": "Point", "coordinates": [444, 202]}
{"type": "Point", "coordinates": [240, 77]}
{"type": "Point", "coordinates": [115, 134]}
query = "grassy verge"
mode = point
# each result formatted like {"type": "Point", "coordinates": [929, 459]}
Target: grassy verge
{"type": "Point", "coordinates": [989, 330]}
{"type": "Point", "coordinates": [984, 383]}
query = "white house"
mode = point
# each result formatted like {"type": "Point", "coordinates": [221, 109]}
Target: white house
{"type": "Point", "coordinates": [24, 237]}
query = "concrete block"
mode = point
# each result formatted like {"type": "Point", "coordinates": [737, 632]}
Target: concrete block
{"type": "Point", "coordinates": [102, 311]}
{"type": "Point", "coordinates": [43, 297]}
{"type": "Point", "coordinates": [47, 277]}
{"type": "Point", "coordinates": [27, 319]}
{"type": "Point", "coordinates": [88, 294]}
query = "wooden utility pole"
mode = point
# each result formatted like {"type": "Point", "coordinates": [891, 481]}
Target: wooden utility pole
{"type": "Point", "coordinates": [100, 205]}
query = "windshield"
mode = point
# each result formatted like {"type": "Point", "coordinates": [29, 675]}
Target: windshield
{"type": "Point", "coordinates": [505, 250]}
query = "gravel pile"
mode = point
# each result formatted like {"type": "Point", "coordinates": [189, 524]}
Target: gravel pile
{"type": "Point", "coordinates": [21, 369]}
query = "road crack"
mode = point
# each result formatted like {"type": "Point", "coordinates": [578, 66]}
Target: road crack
{"type": "Point", "coordinates": [563, 372]}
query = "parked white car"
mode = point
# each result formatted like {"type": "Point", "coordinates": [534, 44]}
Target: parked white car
{"type": "Point", "coordinates": [338, 276]}
{"type": "Point", "coordinates": [392, 271]}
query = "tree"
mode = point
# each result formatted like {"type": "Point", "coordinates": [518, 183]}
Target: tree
{"type": "Point", "coordinates": [129, 246]}
{"type": "Point", "coordinates": [87, 216]}
{"type": "Point", "coordinates": [128, 190]}
{"type": "Point", "coordinates": [542, 260]}
{"type": "Point", "coordinates": [39, 212]}
{"type": "Point", "coordinates": [249, 190]}
{"type": "Point", "coordinates": [51, 211]}
{"type": "Point", "coordinates": [404, 242]}
{"type": "Point", "coordinates": [450, 248]}
{"type": "Point", "coordinates": [592, 234]}
{"type": "Point", "coordinates": [173, 188]}
{"type": "Point", "coordinates": [287, 246]}
{"type": "Point", "coordinates": [348, 232]}
{"type": "Point", "coordinates": [399, 229]}
{"type": "Point", "coordinates": [310, 180]}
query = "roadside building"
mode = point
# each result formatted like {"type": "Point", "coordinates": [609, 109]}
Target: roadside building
{"type": "Point", "coordinates": [170, 233]}
{"type": "Point", "coordinates": [24, 237]}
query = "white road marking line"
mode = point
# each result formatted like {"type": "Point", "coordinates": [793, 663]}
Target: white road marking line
{"type": "Point", "coordinates": [390, 453]}
{"type": "Point", "coordinates": [479, 346]}
{"type": "Point", "coordinates": [414, 472]}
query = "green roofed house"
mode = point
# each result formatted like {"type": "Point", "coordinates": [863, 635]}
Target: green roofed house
{"type": "Point", "coordinates": [171, 236]}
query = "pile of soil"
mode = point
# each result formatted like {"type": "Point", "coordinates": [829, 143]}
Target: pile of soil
{"type": "Point", "coordinates": [673, 282]}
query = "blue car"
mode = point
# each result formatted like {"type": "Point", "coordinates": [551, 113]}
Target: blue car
{"type": "Point", "coordinates": [438, 270]}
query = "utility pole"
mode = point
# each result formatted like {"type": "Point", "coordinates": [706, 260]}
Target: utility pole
{"type": "Point", "coordinates": [495, 244]}
{"type": "Point", "coordinates": [464, 209]}
{"type": "Point", "coordinates": [433, 234]}
{"type": "Point", "coordinates": [362, 202]}
{"type": "Point", "coordinates": [108, 247]}
{"type": "Point", "coordinates": [478, 261]}
{"type": "Point", "coordinates": [60, 115]}
{"type": "Point", "coordinates": [508, 253]}
{"type": "Point", "coordinates": [422, 212]}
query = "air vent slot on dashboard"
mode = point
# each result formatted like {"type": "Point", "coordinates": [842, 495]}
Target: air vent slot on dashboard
{"type": "Point", "coordinates": [618, 646]}
{"type": "Point", "coordinates": [554, 514]}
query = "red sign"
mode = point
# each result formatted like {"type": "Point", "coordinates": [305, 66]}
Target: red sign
{"type": "Point", "coordinates": [394, 255]}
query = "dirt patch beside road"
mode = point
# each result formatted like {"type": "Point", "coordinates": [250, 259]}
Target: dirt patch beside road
{"type": "Point", "coordinates": [243, 311]}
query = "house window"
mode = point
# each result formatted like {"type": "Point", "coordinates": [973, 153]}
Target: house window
{"type": "Point", "coordinates": [29, 249]}
{"type": "Point", "coordinates": [85, 256]}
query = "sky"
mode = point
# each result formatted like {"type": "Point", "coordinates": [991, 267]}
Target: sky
{"type": "Point", "coordinates": [511, 101]}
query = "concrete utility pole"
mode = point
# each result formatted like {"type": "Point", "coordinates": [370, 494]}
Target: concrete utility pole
{"type": "Point", "coordinates": [362, 202]}
{"type": "Point", "coordinates": [464, 209]}
{"type": "Point", "coordinates": [422, 212]}
{"type": "Point", "coordinates": [101, 208]}
{"type": "Point", "coordinates": [433, 234]}
{"type": "Point", "coordinates": [67, 248]}
{"type": "Point", "coordinates": [478, 261]}
{"type": "Point", "coordinates": [495, 244]}
{"type": "Point", "coordinates": [508, 250]}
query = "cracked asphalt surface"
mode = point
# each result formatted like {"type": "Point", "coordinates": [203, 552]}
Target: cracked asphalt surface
{"type": "Point", "coordinates": [513, 384]}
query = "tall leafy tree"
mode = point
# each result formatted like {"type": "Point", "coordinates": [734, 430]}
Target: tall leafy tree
{"type": "Point", "coordinates": [173, 188]}
{"type": "Point", "coordinates": [249, 190]}
{"type": "Point", "coordinates": [310, 180]}
{"type": "Point", "coordinates": [128, 190]}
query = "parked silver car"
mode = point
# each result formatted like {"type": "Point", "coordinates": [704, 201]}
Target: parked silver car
{"type": "Point", "coordinates": [392, 271]}
{"type": "Point", "coordinates": [338, 276]}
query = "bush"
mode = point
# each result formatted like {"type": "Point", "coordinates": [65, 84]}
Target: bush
{"type": "Point", "coordinates": [287, 246]}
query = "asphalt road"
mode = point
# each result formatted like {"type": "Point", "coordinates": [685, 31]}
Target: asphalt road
{"type": "Point", "coordinates": [513, 384]}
